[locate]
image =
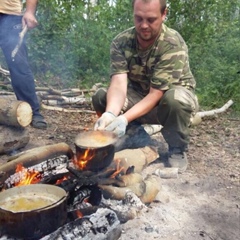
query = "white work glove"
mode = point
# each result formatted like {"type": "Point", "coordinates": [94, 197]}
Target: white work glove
{"type": "Point", "coordinates": [104, 120]}
{"type": "Point", "coordinates": [118, 125]}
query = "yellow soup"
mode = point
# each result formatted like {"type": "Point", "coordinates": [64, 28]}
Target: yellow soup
{"type": "Point", "coordinates": [26, 203]}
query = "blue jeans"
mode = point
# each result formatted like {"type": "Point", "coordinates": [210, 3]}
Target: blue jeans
{"type": "Point", "coordinates": [22, 79]}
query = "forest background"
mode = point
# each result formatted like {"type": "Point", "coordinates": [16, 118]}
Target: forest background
{"type": "Point", "coordinates": [70, 47]}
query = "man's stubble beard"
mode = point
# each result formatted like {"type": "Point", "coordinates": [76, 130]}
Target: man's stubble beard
{"type": "Point", "coordinates": [149, 38]}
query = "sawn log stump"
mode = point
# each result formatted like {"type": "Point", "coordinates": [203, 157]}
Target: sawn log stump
{"type": "Point", "coordinates": [15, 113]}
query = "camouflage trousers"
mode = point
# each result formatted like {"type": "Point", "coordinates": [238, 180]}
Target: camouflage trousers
{"type": "Point", "coordinates": [173, 112]}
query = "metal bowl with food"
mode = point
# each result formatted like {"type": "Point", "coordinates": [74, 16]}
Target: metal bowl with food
{"type": "Point", "coordinates": [32, 211]}
{"type": "Point", "coordinates": [94, 149]}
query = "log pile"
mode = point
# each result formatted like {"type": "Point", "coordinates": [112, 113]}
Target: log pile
{"type": "Point", "coordinates": [146, 188]}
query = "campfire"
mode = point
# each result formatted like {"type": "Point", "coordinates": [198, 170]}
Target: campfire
{"type": "Point", "coordinates": [89, 177]}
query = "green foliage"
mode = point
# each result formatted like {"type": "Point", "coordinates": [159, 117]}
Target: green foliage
{"type": "Point", "coordinates": [70, 47]}
{"type": "Point", "coordinates": [73, 44]}
{"type": "Point", "coordinates": [211, 30]}
{"type": "Point", "coordinates": [216, 66]}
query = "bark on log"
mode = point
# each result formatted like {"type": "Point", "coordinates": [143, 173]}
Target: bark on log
{"type": "Point", "coordinates": [153, 186]}
{"type": "Point", "coordinates": [139, 158]}
{"type": "Point", "coordinates": [146, 190]}
{"type": "Point", "coordinates": [15, 113]}
{"type": "Point", "coordinates": [119, 193]}
{"type": "Point", "coordinates": [122, 181]}
{"type": "Point", "coordinates": [12, 138]}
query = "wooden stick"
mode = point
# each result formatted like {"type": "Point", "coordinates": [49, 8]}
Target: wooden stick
{"type": "Point", "coordinates": [21, 36]}
{"type": "Point", "coordinates": [216, 111]}
{"type": "Point", "coordinates": [4, 72]}
{"type": "Point", "coordinates": [152, 129]}
{"type": "Point", "coordinates": [199, 115]}
{"type": "Point", "coordinates": [67, 110]}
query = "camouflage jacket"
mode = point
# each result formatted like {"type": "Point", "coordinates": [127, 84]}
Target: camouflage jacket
{"type": "Point", "coordinates": [163, 64]}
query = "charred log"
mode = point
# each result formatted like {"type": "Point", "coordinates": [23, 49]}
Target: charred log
{"type": "Point", "coordinates": [34, 156]}
{"type": "Point", "coordinates": [101, 225]}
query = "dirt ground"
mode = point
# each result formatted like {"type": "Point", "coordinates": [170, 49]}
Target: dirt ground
{"type": "Point", "coordinates": [203, 203]}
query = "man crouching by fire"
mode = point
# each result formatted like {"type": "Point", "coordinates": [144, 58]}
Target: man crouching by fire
{"type": "Point", "coordinates": [151, 81]}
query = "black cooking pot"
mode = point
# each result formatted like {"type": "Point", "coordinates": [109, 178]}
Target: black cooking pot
{"type": "Point", "coordinates": [94, 150]}
{"type": "Point", "coordinates": [32, 211]}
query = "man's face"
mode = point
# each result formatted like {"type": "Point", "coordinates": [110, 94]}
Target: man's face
{"type": "Point", "coordinates": [148, 20]}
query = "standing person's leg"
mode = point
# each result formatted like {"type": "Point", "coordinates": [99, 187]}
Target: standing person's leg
{"type": "Point", "coordinates": [21, 75]}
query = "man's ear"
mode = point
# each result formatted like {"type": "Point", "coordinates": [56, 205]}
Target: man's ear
{"type": "Point", "coordinates": [164, 15]}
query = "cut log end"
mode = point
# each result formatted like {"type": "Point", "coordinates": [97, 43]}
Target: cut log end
{"type": "Point", "coordinates": [24, 114]}
{"type": "Point", "coordinates": [15, 113]}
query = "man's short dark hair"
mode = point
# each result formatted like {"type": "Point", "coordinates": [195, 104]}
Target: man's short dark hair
{"type": "Point", "coordinates": [163, 4]}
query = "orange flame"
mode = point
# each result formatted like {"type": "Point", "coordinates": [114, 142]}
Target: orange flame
{"type": "Point", "coordinates": [61, 180]}
{"type": "Point", "coordinates": [80, 162]}
{"type": "Point", "coordinates": [118, 170]}
{"type": "Point", "coordinates": [29, 176]}
{"type": "Point", "coordinates": [79, 214]}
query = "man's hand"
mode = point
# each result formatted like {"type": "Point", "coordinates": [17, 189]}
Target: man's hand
{"type": "Point", "coordinates": [118, 125]}
{"type": "Point", "coordinates": [104, 121]}
{"type": "Point", "coordinates": [30, 20]}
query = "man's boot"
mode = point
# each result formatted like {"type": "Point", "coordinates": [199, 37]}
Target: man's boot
{"type": "Point", "coordinates": [177, 159]}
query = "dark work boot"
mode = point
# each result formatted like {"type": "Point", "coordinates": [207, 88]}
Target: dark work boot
{"type": "Point", "coordinates": [177, 159]}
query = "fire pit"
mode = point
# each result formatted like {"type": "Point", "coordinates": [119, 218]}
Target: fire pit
{"type": "Point", "coordinates": [87, 182]}
{"type": "Point", "coordinates": [74, 211]}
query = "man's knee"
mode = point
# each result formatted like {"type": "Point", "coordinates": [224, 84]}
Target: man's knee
{"type": "Point", "coordinates": [99, 100]}
{"type": "Point", "coordinates": [180, 97]}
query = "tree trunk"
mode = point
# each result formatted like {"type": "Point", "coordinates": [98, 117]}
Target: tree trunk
{"type": "Point", "coordinates": [12, 138]}
{"type": "Point", "coordinates": [15, 113]}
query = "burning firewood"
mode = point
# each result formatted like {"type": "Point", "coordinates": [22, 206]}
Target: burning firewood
{"type": "Point", "coordinates": [15, 113]}
{"type": "Point", "coordinates": [103, 224]}
{"type": "Point", "coordinates": [34, 156]}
